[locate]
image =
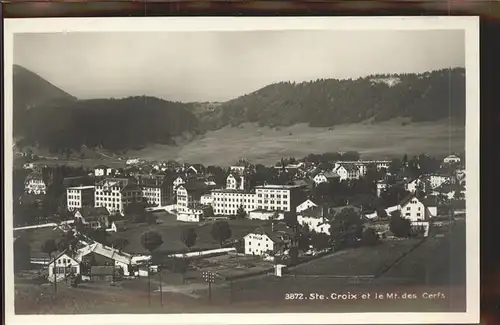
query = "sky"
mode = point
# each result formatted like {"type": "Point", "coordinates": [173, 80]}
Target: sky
{"type": "Point", "coordinates": [218, 66]}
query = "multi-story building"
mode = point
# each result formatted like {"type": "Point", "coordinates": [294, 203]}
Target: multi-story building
{"type": "Point", "coordinates": [102, 170]}
{"type": "Point", "coordinates": [94, 218]}
{"type": "Point", "coordinates": [35, 183]}
{"type": "Point", "coordinates": [278, 197]}
{"type": "Point", "coordinates": [80, 197]}
{"type": "Point", "coordinates": [189, 207]}
{"type": "Point", "coordinates": [116, 193]}
{"type": "Point", "coordinates": [156, 189]}
{"type": "Point", "coordinates": [229, 201]}
{"type": "Point", "coordinates": [305, 205]}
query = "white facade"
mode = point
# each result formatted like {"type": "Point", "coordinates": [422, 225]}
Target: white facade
{"type": "Point", "coordinates": [305, 205]}
{"type": "Point", "coordinates": [235, 182]}
{"type": "Point", "coordinates": [414, 185]}
{"type": "Point", "coordinates": [238, 169]}
{"type": "Point", "coordinates": [313, 223]}
{"type": "Point", "coordinates": [206, 199]}
{"type": "Point", "coordinates": [227, 202]}
{"type": "Point", "coordinates": [79, 197]}
{"type": "Point", "coordinates": [276, 197]}
{"type": "Point", "coordinates": [381, 187]}
{"type": "Point", "coordinates": [103, 171]}
{"type": "Point", "coordinates": [35, 185]}
{"type": "Point", "coordinates": [190, 215]}
{"type": "Point", "coordinates": [452, 159]}
{"type": "Point", "coordinates": [178, 181]}
{"type": "Point", "coordinates": [115, 194]}
{"type": "Point", "coordinates": [438, 180]}
{"type": "Point", "coordinates": [64, 265]}
{"type": "Point", "coordinates": [264, 215]}
{"type": "Point", "coordinates": [258, 244]}
{"type": "Point", "coordinates": [348, 172]}
{"type": "Point", "coordinates": [415, 210]}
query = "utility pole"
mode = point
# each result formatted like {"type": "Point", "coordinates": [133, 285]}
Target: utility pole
{"type": "Point", "coordinates": [209, 277]}
{"type": "Point", "coordinates": [161, 290]}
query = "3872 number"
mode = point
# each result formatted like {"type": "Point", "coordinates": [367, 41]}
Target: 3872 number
{"type": "Point", "coordinates": [294, 296]}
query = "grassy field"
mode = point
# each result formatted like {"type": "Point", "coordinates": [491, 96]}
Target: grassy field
{"type": "Point", "coordinates": [267, 145]}
{"type": "Point", "coordinates": [363, 261]}
{"type": "Point", "coordinates": [171, 230]}
{"type": "Point", "coordinates": [433, 267]}
{"type": "Point", "coordinates": [36, 238]}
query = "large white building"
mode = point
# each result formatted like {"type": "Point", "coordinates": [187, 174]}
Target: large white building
{"type": "Point", "coordinates": [34, 184]}
{"type": "Point", "coordinates": [228, 201]}
{"type": "Point", "coordinates": [189, 207]}
{"type": "Point", "coordinates": [451, 159]}
{"type": "Point", "coordinates": [348, 172]}
{"type": "Point", "coordinates": [80, 197]}
{"type": "Point", "coordinates": [156, 189]}
{"type": "Point", "coordinates": [235, 182]}
{"type": "Point", "coordinates": [102, 170]}
{"type": "Point", "coordinates": [278, 197]}
{"type": "Point", "coordinates": [116, 193]}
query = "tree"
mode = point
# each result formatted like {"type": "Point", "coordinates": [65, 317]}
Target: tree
{"type": "Point", "coordinates": [399, 226]}
{"type": "Point", "coordinates": [151, 240]}
{"type": "Point", "coordinates": [346, 228]}
{"type": "Point", "coordinates": [370, 237]}
{"type": "Point", "coordinates": [382, 213]}
{"type": "Point", "coordinates": [241, 212]}
{"type": "Point", "coordinates": [221, 232]}
{"type": "Point", "coordinates": [294, 254]}
{"type": "Point", "coordinates": [395, 166]}
{"type": "Point", "coordinates": [22, 254]}
{"type": "Point", "coordinates": [351, 156]}
{"type": "Point", "coordinates": [320, 241]}
{"type": "Point", "coordinates": [68, 242]}
{"type": "Point", "coordinates": [188, 237]}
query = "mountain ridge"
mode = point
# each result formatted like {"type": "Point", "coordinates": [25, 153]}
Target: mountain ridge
{"type": "Point", "coordinates": [136, 121]}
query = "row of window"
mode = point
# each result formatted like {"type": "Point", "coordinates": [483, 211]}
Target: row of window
{"type": "Point", "coordinates": [65, 270]}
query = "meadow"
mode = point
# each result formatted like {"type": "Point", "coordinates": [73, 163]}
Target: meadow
{"type": "Point", "coordinates": [264, 145]}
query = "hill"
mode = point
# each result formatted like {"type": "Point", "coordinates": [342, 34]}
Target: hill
{"type": "Point", "coordinates": [112, 124]}
{"type": "Point", "coordinates": [429, 96]}
{"type": "Point", "coordinates": [31, 91]}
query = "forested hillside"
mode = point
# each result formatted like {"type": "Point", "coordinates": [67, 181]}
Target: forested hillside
{"type": "Point", "coordinates": [326, 102]}
{"type": "Point", "coordinates": [113, 124]}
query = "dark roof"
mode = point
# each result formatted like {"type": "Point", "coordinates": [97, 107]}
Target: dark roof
{"type": "Point", "coordinates": [236, 177]}
{"type": "Point", "coordinates": [314, 212]}
{"type": "Point", "coordinates": [350, 168]}
{"type": "Point", "coordinates": [93, 212]}
{"type": "Point", "coordinates": [430, 201]}
{"type": "Point", "coordinates": [407, 199]}
{"type": "Point", "coordinates": [101, 167]}
{"type": "Point", "coordinates": [101, 270]}
{"type": "Point", "coordinates": [131, 187]}
{"type": "Point", "coordinates": [120, 224]}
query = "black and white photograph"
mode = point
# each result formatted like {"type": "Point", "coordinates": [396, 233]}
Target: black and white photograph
{"type": "Point", "coordinates": [236, 170]}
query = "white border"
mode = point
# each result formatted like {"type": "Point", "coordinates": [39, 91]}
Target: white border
{"type": "Point", "coordinates": [469, 24]}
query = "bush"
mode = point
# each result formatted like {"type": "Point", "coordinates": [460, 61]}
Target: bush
{"type": "Point", "coordinates": [370, 237]}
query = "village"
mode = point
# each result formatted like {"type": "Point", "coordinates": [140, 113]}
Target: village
{"type": "Point", "coordinates": [194, 226]}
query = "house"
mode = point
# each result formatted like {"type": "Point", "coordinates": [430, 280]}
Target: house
{"type": "Point", "coordinates": [315, 218]}
{"type": "Point", "coordinates": [195, 214]}
{"type": "Point", "coordinates": [104, 255]}
{"type": "Point", "coordinates": [415, 209]}
{"type": "Point", "coordinates": [92, 217]}
{"type": "Point", "coordinates": [325, 177]}
{"type": "Point", "coordinates": [451, 160]}
{"type": "Point", "coordinates": [278, 197]}
{"type": "Point", "coordinates": [102, 170]}
{"type": "Point", "coordinates": [348, 172]}
{"type": "Point", "coordinates": [196, 169]}
{"type": "Point", "coordinates": [118, 225]}
{"type": "Point", "coordinates": [189, 207]}
{"type": "Point", "coordinates": [80, 197]}
{"type": "Point", "coordinates": [438, 179]}
{"type": "Point", "coordinates": [381, 187]}
{"type": "Point", "coordinates": [35, 183]}
{"type": "Point", "coordinates": [64, 264]}
{"type": "Point", "coordinates": [305, 205]}
{"type": "Point", "coordinates": [268, 240]}
{"type": "Point", "coordinates": [235, 182]}
{"type": "Point", "coordinates": [417, 184]}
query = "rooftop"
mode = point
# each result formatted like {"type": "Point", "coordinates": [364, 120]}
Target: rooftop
{"type": "Point", "coordinates": [85, 187]}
